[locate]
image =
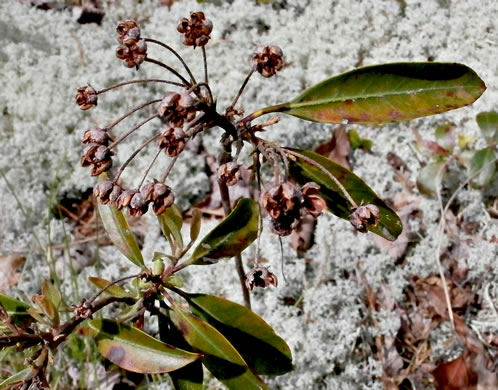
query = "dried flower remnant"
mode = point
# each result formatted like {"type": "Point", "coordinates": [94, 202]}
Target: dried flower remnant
{"type": "Point", "coordinates": [133, 50]}
{"type": "Point", "coordinates": [124, 199]}
{"type": "Point", "coordinates": [195, 30]}
{"type": "Point", "coordinates": [260, 277]}
{"type": "Point", "coordinates": [313, 203]}
{"type": "Point", "coordinates": [283, 203]}
{"type": "Point", "coordinates": [99, 156]}
{"type": "Point", "coordinates": [138, 206]}
{"type": "Point", "coordinates": [160, 195]}
{"type": "Point", "coordinates": [229, 173]}
{"type": "Point", "coordinates": [177, 108]}
{"type": "Point", "coordinates": [173, 141]}
{"type": "Point", "coordinates": [267, 60]}
{"type": "Point", "coordinates": [86, 97]}
{"type": "Point", "coordinates": [96, 136]}
{"type": "Point", "coordinates": [102, 191]}
{"type": "Point", "coordinates": [364, 216]}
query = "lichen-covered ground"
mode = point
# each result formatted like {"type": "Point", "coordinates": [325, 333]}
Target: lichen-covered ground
{"type": "Point", "coordinates": [339, 338]}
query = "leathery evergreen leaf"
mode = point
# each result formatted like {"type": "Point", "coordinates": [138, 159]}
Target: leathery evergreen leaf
{"type": "Point", "coordinates": [386, 93]}
{"type": "Point", "coordinates": [220, 357]}
{"type": "Point", "coordinates": [119, 231]}
{"type": "Point", "coordinates": [389, 226]}
{"type": "Point", "coordinates": [231, 236]}
{"type": "Point", "coordinates": [191, 376]}
{"type": "Point", "coordinates": [136, 351]}
{"type": "Point", "coordinates": [114, 290]}
{"type": "Point", "coordinates": [262, 349]}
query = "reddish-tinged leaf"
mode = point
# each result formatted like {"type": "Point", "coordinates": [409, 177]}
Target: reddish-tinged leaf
{"type": "Point", "coordinates": [386, 93]}
{"type": "Point", "coordinates": [136, 351]}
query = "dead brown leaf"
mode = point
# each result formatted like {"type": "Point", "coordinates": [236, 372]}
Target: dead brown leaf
{"type": "Point", "coordinates": [11, 269]}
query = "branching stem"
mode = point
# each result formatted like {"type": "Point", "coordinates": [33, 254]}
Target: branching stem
{"type": "Point", "coordinates": [132, 111]}
{"type": "Point", "coordinates": [137, 82]}
{"type": "Point", "coordinates": [124, 136]}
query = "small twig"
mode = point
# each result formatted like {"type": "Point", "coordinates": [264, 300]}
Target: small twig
{"type": "Point", "coordinates": [159, 63]}
{"type": "Point", "coordinates": [125, 164]}
{"type": "Point", "coordinates": [205, 85]}
{"type": "Point", "coordinates": [149, 167]}
{"type": "Point", "coordinates": [133, 110]}
{"type": "Point", "coordinates": [192, 78]}
{"type": "Point", "coordinates": [242, 87]}
{"type": "Point", "coordinates": [137, 82]}
{"type": "Point", "coordinates": [204, 58]}
{"type": "Point", "coordinates": [125, 135]}
{"type": "Point", "coordinates": [169, 169]}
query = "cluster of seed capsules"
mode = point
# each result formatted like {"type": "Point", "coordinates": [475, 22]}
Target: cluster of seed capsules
{"type": "Point", "coordinates": [176, 109]}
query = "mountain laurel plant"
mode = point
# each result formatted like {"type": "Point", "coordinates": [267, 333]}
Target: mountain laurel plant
{"type": "Point", "coordinates": [196, 330]}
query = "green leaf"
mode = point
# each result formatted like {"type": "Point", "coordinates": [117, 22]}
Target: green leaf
{"type": "Point", "coordinates": [171, 222]}
{"type": "Point", "coordinates": [429, 178]}
{"type": "Point", "coordinates": [136, 351]}
{"type": "Point", "coordinates": [488, 123]}
{"type": "Point", "coordinates": [220, 357]}
{"type": "Point", "coordinates": [195, 224]}
{"type": "Point", "coordinates": [119, 232]}
{"type": "Point", "coordinates": [189, 377]}
{"type": "Point", "coordinates": [114, 290]}
{"type": "Point", "coordinates": [357, 142]}
{"type": "Point", "coordinates": [389, 226]}
{"type": "Point", "coordinates": [262, 349]}
{"type": "Point", "coordinates": [445, 137]}
{"type": "Point", "coordinates": [13, 307]}
{"type": "Point", "coordinates": [18, 377]}
{"type": "Point", "coordinates": [385, 93]}
{"type": "Point", "coordinates": [231, 236]}
{"type": "Point", "coordinates": [482, 167]}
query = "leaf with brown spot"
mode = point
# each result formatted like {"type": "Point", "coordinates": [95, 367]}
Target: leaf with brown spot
{"type": "Point", "coordinates": [386, 93]}
{"type": "Point", "coordinates": [136, 351]}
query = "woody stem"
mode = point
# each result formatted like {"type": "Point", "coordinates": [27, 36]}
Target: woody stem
{"type": "Point", "coordinates": [236, 98]}
{"type": "Point", "coordinates": [132, 111]}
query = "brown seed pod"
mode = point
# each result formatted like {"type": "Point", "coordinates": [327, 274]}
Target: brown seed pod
{"type": "Point", "coordinates": [127, 29]}
{"type": "Point", "coordinates": [267, 60]}
{"type": "Point", "coordinates": [364, 216]}
{"type": "Point", "coordinates": [86, 97]}
{"type": "Point", "coordinates": [133, 53]}
{"type": "Point", "coordinates": [177, 108]}
{"type": "Point", "coordinates": [96, 136]}
{"type": "Point", "coordinates": [173, 141]}
{"type": "Point", "coordinates": [102, 191]}
{"type": "Point", "coordinates": [229, 173]}
{"type": "Point", "coordinates": [162, 198]}
{"type": "Point", "coordinates": [195, 30]}
{"type": "Point", "coordinates": [260, 277]}
{"type": "Point", "coordinates": [313, 203]}
{"type": "Point", "coordinates": [138, 206]}
{"type": "Point", "coordinates": [124, 199]}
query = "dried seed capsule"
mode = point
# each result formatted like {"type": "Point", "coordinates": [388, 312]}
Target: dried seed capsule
{"type": "Point", "coordinates": [95, 136]}
{"type": "Point", "coordinates": [229, 173]}
{"type": "Point", "coordinates": [147, 191]}
{"type": "Point", "coordinates": [102, 191]}
{"type": "Point", "coordinates": [177, 108]}
{"type": "Point", "coordinates": [267, 60]}
{"type": "Point", "coordinates": [86, 97]}
{"type": "Point", "coordinates": [260, 277]}
{"type": "Point", "coordinates": [88, 157]}
{"type": "Point", "coordinates": [133, 54]}
{"type": "Point", "coordinates": [195, 30]}
{"type": "Point", "coordinates": [313, 203]}
{"type": "Point", "coordinates": [138, 206]}
{"type": "Point", "coordinates": [114, 195]}
{"type": "Point", "coordinates": [162, 198]}
{"type": "Point", "coordinates": [285, 198]}
{"type": "Point", "coordinates": [124, 199]}
{"type": "Point", "coordinates": [173, 141]}
{"type": "Point", "coordinates": [364, 216]}
{"type": "Point", "coordinates": [125, 28]}
{"type": "Point", "coordinates": [101, 166]}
